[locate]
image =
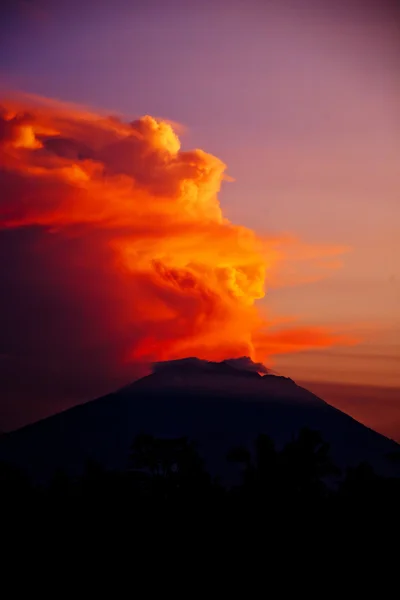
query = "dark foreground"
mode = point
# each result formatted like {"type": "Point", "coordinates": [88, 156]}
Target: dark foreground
{"type": "Point", "coordinates": [165, 500]}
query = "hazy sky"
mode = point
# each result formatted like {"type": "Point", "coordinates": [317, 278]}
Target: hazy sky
{"type": "Point", "coordinates": [299, 99]}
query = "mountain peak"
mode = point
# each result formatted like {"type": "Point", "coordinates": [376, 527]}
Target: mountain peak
{"type": "Point", "coordinates": [232, 376]}
{"type": "Point", "coordinates": [243, 365]}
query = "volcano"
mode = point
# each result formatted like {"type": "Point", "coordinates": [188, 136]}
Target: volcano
{"type": "Point", "coordinates": [218, 405]}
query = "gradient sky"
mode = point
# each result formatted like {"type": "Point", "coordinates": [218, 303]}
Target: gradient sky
{"type": "Point", "coordinates": [301, 101]}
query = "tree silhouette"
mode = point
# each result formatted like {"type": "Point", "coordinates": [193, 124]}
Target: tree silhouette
{"type": "Point", "coordinates": [167, 489]}
{"type": "Point", "coordinates": [296, 473]}
{"type": "Point", "coordinates": [169, 467]}
{"type": "Point", "coordinates": [260, 472]}
{"type": "Point", "coordinates": [305, 464]}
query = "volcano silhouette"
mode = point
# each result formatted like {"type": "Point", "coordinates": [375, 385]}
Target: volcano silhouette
{"type": "Point", "coordinates": [219, 405]}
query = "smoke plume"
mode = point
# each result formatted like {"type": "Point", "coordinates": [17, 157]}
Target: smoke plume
{"type": "Point", "coordinates": [115, 253]}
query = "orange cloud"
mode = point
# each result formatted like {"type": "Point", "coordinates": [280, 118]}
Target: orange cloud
{"type": "Point", "coordinates": [298, 339]}
{"type": "Point", "coordinates": [135, 223]}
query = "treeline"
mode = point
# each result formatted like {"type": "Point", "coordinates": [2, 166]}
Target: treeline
{"type": "Point", "coordinates": [166, 485]}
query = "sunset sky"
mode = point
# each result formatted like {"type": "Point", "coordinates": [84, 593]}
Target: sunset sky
{"type": "Point", "coordinates": [300, 101]}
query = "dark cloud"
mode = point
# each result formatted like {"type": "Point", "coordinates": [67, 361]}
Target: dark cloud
{"type": "Point", "coordinates": [244, 363]}
{"type": "Point", "coordinates": [68, 148]}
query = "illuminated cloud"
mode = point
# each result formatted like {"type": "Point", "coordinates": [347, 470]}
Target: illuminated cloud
{"type": "Point", "coordinates": [119, 251]}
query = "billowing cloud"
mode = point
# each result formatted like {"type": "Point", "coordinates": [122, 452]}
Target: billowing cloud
{"type": "Point", "coordinates": [117, 254]}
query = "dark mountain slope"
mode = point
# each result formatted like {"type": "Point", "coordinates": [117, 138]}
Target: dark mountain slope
{"type": "Point", "coordinates": [216, 404]}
